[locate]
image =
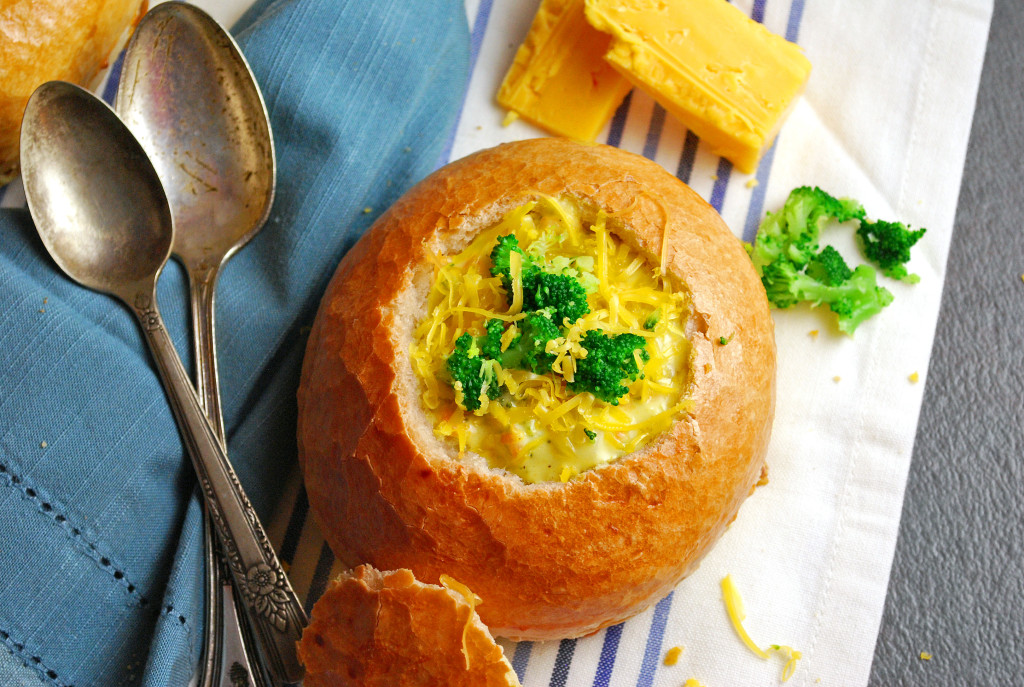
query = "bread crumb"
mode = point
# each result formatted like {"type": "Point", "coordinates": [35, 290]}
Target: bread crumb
{"type": "Point", "coordinates": [42, 444]}
{"type": "Point", "coordinates": [510, 117]}
{"type": "Point", "coordinates": [914, 378]}
{"type": "Point", "coordinates": [837, 379]}
{"type": "Point", "coordinates": [752, 182]}
{"type": "Point", "coordinates": [925, 656]}
{"type": "Point", "coordinates": [672, 655]}
{"type": "Point", "coordinates": [813, 333]}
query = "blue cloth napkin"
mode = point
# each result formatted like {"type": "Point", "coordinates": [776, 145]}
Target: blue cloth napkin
{"type": "Point", "coordinates": [100, 529]}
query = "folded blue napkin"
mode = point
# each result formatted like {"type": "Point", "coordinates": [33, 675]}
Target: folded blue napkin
{"type": "Point", "coordinates": [100, 529]}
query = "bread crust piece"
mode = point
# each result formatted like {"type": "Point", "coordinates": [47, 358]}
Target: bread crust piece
{"type": "Point", "coordinates": [46, 40]}
{"type": "Point", "coordinates": [550, 560]}
{"type": "Point", "coordinates": [386, 629]}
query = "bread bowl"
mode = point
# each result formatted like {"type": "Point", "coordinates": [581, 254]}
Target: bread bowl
{"type": "Point", "coordinates": [387, 629]}
{"type": "Point", "coordinates": [46, 40]}
{"type": "Point", "coordinates": [550, 559]}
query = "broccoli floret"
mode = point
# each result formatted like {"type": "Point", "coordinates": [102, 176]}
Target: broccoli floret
{"type": "Point", "coordinates": [793, 270]}
{"type": "Point", "coordinates": [861, 297]}
{"type": "Point", "coordinates": [470, 374]}
{"type": "Point", "coordinates": [561, 293]}
{"type": "Point", "coordinates": [829, 267]}
{"type": "Point", "coordinates": [526, 350]}
{"type": "Point", "coordinates": [500, 260]}
{"type": "Point", "coordinates": [490, 343]}
{"type": "Point", "coordinates": [608, 362]}
{"type": "Point", "coordinates": [653, 319]}
{"type": "Point", "coordinates": [559, 290]}
{"type": "Point", "coordinates": [854, 300]}
{"type": "Point", "coordinates": [591, 434]}
{"type": "Point", "coordinates": [792, 232]}
{"type": "Point", "coordinates": [887, 244]}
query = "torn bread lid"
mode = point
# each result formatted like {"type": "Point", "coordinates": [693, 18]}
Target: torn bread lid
{"type": "Point", "coordinates": [373, 628]}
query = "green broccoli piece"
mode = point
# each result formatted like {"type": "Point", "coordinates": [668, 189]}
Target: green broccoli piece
{"type": "Point", "coordinates": [563, 294]}
{"type": "Point", "coordinates": [792, 232]}
{"type": "Point", "coordinates": [861, 298]}
{"type": "Point", "coordinates": [887, 244]}
{"type": "Point", "coordinates": [490, 343]}
{"type": "Point", "coordinates": [560, 290]}
{"type": "Point", "coordinates": [608, 362]}
{"type": "Point", "coordinates": [526, 350]}
{"type": "Point", "coordinates": [854, 300]}
{"type": "Point", "coordinates": [794, 270]}
{"type": "Point", "coordinates": [591, 434]}
{"type": "Point", "coordinates": [501, 261]}
{"type": "Point", "coordinates": [467, 367]}
{"type": "Point", "coordinates": [652, 319]}
{"type": "Point", "coordinates": [829, 267]}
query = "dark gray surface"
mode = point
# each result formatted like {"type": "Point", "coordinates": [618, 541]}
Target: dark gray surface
{"type": "Point", "coordinates": [957, 585]}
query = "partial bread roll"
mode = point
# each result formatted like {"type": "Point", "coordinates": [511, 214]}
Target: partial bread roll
{"type": "Point", "coordinates": [47, 40]}
{"type": "Point", "coordinates": [559, 558]}
{"type": "Point", "coordinates": [386, 629]}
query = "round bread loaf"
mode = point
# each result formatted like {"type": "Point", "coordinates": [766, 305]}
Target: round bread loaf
{"type": "Point", "coordinates": [552, 559]}
{"type": "Point", "coordinates": [48, 40]}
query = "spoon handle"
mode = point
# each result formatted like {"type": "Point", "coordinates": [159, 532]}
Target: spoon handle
{"type": "Point", "coordinates": [201, 286]}
{"type": "Point", "coordinates": [274, 610]}
{"type": "Point", "coordinates": [229, 650]}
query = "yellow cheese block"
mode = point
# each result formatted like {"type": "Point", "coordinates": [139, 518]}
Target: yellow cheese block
{"type": "Point", "coordinates": [726, 77]}
{"type": "Point", "coordinates": [559, 79]}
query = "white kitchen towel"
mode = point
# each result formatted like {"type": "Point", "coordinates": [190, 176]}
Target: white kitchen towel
{"type": "Point", "coordinates": [885, 119]}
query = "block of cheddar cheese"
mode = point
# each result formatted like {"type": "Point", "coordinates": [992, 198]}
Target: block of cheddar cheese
{"type": "Point", "coordinates": [726, 77]}
{"type": "Point", "coordinates": [559, 79]}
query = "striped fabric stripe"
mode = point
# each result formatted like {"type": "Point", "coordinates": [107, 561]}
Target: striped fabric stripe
{"type": "Point", "coordinates": [476, 40]}
{"type": "Point", "coordinates": [606, 663]}
{"type": "Point", "coordinates": [652, 651]}
{"type": "Point", "coordinates": [301, 534]}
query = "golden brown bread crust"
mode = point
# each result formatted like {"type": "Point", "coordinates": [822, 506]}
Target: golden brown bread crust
{"type": "Point", "coordinates": [46, 40]}
{"type": "Point", "coordinates": [549, 560]}
{"type": "Point", "coordinates": [374, 629]}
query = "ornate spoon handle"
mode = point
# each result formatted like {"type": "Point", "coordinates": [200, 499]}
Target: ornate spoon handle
{"type": "Point", "coordinates": [274, 611]}
{"type": "Point", "coordinates": [230, 655]}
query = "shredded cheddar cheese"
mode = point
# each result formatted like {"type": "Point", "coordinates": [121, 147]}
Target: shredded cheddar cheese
{"type": "Point", "coordinates": [734, 607]}
{"type": "Point", "coordinates": [472, 599]}
{"type": "Point", "coordinates": [537, 428]}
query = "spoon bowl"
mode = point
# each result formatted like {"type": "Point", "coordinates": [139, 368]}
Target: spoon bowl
{"type": "Point", "coordinates": [205, 127]}
{"type": "Point", "coordinates": [117, 241]}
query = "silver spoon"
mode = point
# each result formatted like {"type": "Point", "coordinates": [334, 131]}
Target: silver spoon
{"type": "Point", "coordinates": [188, 95]}
{"type": "Point", "coordinates": [102, 214]}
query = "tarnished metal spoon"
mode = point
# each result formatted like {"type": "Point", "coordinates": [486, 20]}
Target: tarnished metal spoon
{"type": "Point", "coordinates": [102, 214]}
{"type": "Point", "coordinates": [188, 95]}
